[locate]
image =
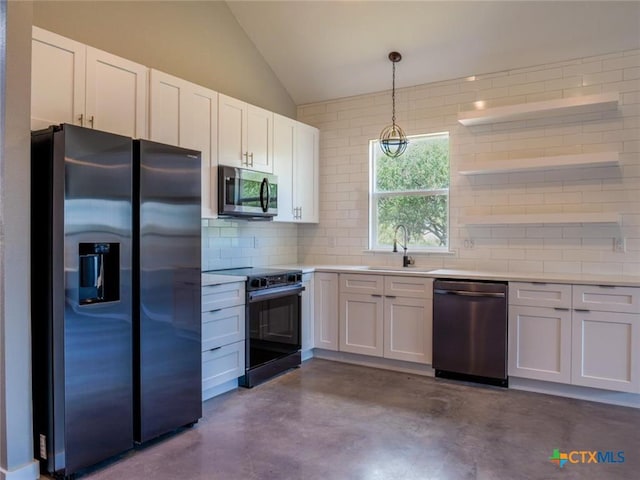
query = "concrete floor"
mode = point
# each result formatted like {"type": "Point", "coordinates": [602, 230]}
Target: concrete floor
{"type": "Point", "coordinates": [334, 421]}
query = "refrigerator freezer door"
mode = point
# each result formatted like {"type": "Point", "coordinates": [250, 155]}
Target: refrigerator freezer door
{"type": "Point", "coordinates": [168, 384]}
{"type": "Point", "coordinates": [82, 360]}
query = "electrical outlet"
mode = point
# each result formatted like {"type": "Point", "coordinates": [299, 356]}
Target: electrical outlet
{"type": "Point", "coordinates": [469, 243]}
{"type": "Point", "coordinates": [619, 244]}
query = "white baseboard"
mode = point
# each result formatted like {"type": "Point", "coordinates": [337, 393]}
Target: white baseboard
{"type": "Point", "coordinates": [30, 471]}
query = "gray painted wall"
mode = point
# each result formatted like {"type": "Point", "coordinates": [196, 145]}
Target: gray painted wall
{"type": "Point", "coordinates": [16, 451]}
{"type": "Point", "coordinates": [197, 41]}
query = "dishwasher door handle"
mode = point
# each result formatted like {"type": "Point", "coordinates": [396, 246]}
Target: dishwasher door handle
{"type": "Point", "coordinates": [463, 293]}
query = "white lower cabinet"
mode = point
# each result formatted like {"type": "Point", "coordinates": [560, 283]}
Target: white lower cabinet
{"type": "Point", "coordinates": [386, 316]}
{"type": "Point", "coordinates": [588, 337]}
{"type": "Point", "coordinates": [223, 336]}
{"type": "Point", "coordinates": [605, 350]}
{"type": "Point", "coordinates": [361, 323]}
{"type": "Point", "coordinates": [325, 310]}
{"type": "Point", "coordinates": [540, 343]}
{"type": "Point", "coordinates": [306, 315]}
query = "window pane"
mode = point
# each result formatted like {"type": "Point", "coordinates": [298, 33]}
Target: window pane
{"type": "Point", "coordinates": [423, 166]}
{"type": "Point", "coordinates": [424, 216]}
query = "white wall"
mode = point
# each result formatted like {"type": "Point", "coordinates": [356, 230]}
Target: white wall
{"type": "Point", "coordinates": [346, 126]}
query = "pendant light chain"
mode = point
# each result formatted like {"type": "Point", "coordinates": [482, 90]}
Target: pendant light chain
{"type": "Point", "coordinates": [393, 94]}
{"type": "Point", "coordinates": [393, 141]}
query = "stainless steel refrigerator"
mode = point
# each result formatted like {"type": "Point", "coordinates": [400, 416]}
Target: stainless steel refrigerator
{"type": "Point", "coordinates": [167, 228]}
{"type": "Point", "coordinates": [96, 227]}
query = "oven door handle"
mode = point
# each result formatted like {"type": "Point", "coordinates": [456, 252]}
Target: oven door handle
{"type": "Point", "coordinates": [273, 293]}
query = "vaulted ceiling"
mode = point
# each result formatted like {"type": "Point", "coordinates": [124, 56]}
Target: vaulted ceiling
{"type": "Point", "coordinates": [323, 50]}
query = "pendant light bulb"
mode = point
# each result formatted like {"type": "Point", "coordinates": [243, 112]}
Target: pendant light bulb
{"type": "Point", "coordinates": [393, 140]}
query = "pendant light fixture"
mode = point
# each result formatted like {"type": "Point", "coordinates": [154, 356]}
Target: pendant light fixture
{"type": "Point", "coordinates": [393, 141]}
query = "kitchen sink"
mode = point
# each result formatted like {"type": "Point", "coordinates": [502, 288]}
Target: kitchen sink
{"type": "Point", "coordinates": [394, 269]}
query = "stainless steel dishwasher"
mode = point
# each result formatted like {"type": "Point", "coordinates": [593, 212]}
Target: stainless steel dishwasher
{"type": "Point", "coordinates": [470, 331]}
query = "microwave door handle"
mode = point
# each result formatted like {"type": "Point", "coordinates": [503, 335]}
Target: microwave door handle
{"type": "Point", "coordinates": [264, 186]}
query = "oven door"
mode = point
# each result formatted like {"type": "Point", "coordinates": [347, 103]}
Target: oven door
{"type": "Point", "coordinates": [273, 324]}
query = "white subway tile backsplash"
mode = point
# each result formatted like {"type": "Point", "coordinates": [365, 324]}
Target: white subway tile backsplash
{"type": "Point", "coordinates": [350, 123]}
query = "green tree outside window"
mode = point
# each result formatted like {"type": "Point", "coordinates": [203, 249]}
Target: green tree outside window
{"type": "Point", "coordinates": [412, 190]}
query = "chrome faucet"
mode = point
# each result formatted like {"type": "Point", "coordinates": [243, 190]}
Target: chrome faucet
{"type": "Point", "coordinates": [406, 260]}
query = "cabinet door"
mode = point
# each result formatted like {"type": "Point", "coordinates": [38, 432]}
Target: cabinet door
{"type": "Point", "coordinates": [306, 333]}
{"type": "Point", "coordinates": [57, 80]}
{"type": "Point", "coordinates": [260, 139]}
{"type": "Point", "coordinates": [537, 294]}
{"type": "Point", "coordinates": [407, 329]}
{"type": "Point", "coordinates": [361, 324]}
{"type": "Point", "coordinates": [116, 94]}
{"type": "Point", "coordinates": [607, 299]}
{"type": "Point", "coordinates": [284, 131]}
{"type": "Point", "coordinates": [222, 327]}
{"type": "Point", "coordinates": [215, 297]}
{"type": "Point", "coordinates": [325, 306]}
{"type": "Point", "coordinates": [221, 364]}
{"type": "Point", "coordinates": [605, 350]}
{"type": "Point", "coordinates": [232, 130]}
{"type": "Point", "coordinates": [164, 107]}
{"type": "Point", "coordinates": [199, 120]}
{"type": "Point", "coordinates": [540, 343]}
{"type": "Point", "coordinates": [306, 173]}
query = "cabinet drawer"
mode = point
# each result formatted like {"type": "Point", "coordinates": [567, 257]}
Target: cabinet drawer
{"type": "Point", "coordinates": [414, 287]}
{"type": "Point", "coordinates": [540, 294]}
{"type": "Point", "coordinates": [354, 283]}
{"type": "Point", "coordinates": [222, 364]}
{"type": "Point", "coordinates": [224, 295]}
{"type": "Point", "coordinates": [606, 299]}
{"type": "Point", "coordinates": [222, 327]}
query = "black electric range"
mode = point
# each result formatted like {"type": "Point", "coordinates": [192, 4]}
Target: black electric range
{"type": "Point", "coordinates": [272, 319]}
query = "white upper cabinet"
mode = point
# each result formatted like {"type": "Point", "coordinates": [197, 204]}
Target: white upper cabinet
{"type": "Point", "coordinates": [306, 173]}
{"type": "Point", "coordinates": [295, 162]}
{"type": "Point", "coordinates": [76, 84]}
{"type": "Point", "coordinates": [284, 135]}
{"type": "Point", "coordinates": [116, 94]}
{"type": "Point", "coordinates": [245, 134]}
{"type": "Point", "coordinates": [57, 80]}
{"type": "Point", "coordinates": [185, 114]}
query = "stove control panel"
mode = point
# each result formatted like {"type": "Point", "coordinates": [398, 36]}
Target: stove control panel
{"type": "Point", "coordinates": [269, 281]}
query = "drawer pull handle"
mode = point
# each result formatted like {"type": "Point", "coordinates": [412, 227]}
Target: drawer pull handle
{"type": "Point", "coordinates": [214, 311]}
{"type": "Point", "coordinates": [607, 286]}
{"type": "Point", "coordinates": [376, 295]}
{"type": "Point", "coordinates": [390, 296]}
{"type": "Point", "coordinates": [539, 283]}
{"type": "Point", "coordinates": [214, 349]}
{"type": "Point", "coordinates": [560, 309]}
{"type": "Point", "coordinates": [581, 310]}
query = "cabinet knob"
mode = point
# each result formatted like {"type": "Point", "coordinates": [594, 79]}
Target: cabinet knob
{"type": "Point", "coordinates": [81, 119]}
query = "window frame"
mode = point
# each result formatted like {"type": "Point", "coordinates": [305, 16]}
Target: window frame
{"type": "Point", "coordinates": [375, 196]}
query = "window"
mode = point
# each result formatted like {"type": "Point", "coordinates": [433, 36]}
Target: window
{"type": "Point", "coordinates": [412, 190]}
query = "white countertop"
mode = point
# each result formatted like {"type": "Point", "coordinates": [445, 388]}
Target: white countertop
{"type": "Point", "coordinates": [573, 278]}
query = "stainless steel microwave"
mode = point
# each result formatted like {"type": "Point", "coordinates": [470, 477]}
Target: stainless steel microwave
{"type": "Point", "coordinates": [247, 193]}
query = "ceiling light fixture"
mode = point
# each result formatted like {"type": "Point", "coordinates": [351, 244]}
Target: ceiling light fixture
{"type": "Point", "coordinates": [393, 141]}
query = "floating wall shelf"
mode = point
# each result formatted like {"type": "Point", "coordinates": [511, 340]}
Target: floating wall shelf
{"type": "Point", "coordinates": [542, 163]}
{"type": "Point", "coordinates": [534, 218]}
{"type": "Point", "coordinates": [547, 108]}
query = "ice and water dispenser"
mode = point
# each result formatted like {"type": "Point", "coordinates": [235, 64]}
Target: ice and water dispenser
{"type": "Point", "coordinates": [99, 265]}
